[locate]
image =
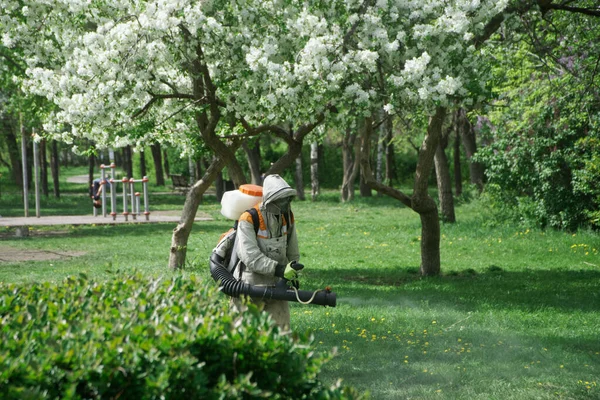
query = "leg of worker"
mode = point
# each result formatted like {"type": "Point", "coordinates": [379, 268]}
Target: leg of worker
{"type": "Point", "coordinates": [280, 312]}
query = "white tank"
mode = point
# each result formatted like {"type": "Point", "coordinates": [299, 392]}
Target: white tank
{"type": "Point", "coordinates": [235, 202]}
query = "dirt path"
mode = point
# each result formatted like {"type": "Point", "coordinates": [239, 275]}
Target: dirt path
{"type": "Point", "coordinates": [11, 254]}
{"type": "Point", "coordinates": [154, 217]}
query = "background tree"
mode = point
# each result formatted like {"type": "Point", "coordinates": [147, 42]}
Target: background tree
{"type": "Point", "coordinates": [121, 72]}
{"type": "Point", "coordinates": [545, 123]}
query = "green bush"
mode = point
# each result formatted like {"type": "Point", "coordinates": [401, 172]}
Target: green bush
{"type": "Point", "coordinates": [146, 338]}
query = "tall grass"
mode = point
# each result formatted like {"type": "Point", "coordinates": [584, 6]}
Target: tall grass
{"type": "Point", "coordinates": [514, 315]}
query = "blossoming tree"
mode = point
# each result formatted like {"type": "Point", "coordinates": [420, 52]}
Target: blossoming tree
{"type": "Point", "coordinates": [129, 71]}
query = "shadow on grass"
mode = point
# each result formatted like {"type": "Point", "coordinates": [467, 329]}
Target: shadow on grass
{"type": "Point", "coordinates": [528, 290]}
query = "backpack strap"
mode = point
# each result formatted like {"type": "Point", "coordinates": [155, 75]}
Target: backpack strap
{"type": "Point", "coordinates": [255, 219]}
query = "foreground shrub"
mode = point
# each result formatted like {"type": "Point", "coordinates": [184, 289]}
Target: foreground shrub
{"type": "Point", "coordinates": [139, 338]}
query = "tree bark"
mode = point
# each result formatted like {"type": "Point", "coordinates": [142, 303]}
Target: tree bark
{"type": "Point", "coordinates": [444, 183]}
{"type": "Point", "coordinates": [457, 162]}
{"type": "Point", "coordinates": [166, 162]}
{"type": "Point", "coordinates": [198, 167]}
{"type": "Point", "coordinates": [351, 164]}
{"type": "Point", "coordinates": [192, 170]}
{"type": "Point", "coordinates": [380, 152]}
{"type": "Point", "coordinates": [219, 186]}
{"type": "Point", "coordinates": [430, 237]}
{"type": "Point", "coordinates": [43, 167]}
{"type": "Point", "coordinates": [298, 177]}
{"type": "Point", "coordinates": [365, 188]}
{"type": "Point", "coordinates": [252, 149]}
{"type": "Point", "coordinates": [158, 167]}
{"type": "Point", "coordinates": [390, 159]}
{"type": "Point", "coordinates": [127, 161]}
{"type": "Point", "coordinates": [91, 164]}
{"type": "Point", "coordinates": [14, 154]}
{"type": "Point", "coordinates": [54, 168]}
{"type": "Point", "coordinates": [143, 171]}
{"type": "Point", "coordinates": [193, 198]}
{"type": "Point", "coordinates": [314, 170]}
{"type": "Point", "coordinates": [294, 150]}
{"type": "Point", "coordinates": [422, 202]}
{"type": "Point", "coordinates": [476, 170]}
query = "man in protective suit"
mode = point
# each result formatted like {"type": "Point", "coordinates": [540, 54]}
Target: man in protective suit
{"type": "Point", "coordinates": [271, 253]}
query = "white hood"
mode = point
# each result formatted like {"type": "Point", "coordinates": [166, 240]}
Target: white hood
{"type": "Point", "coordinates": [274, 187]}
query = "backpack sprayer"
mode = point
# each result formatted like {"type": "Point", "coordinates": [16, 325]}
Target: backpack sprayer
{"type": "Point", "coordinates": [234, 203]}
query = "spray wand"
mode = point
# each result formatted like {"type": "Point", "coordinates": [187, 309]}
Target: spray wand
{"type": "Point", "coordinates": [281, 291]}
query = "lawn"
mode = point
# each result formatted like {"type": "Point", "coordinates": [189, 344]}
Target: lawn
{"type": "Point", "coordinates": [514, 315]}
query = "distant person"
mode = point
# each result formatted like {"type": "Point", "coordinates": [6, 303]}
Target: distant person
{"type": "Point", "coordinates": [96, 191]}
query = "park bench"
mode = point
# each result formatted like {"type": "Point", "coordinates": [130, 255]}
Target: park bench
{"type": "Point", "coordinates": [180, 183]}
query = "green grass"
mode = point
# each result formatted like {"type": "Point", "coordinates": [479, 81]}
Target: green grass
{"type": "Point", "coordinates": [514, 315]}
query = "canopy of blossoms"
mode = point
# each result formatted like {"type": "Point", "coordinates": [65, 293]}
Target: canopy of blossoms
{"type": "Point", "coordinates": [122, 72]}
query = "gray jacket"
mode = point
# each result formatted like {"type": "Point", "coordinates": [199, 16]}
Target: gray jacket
{"type": "Point", "coordinates": [276, 241]}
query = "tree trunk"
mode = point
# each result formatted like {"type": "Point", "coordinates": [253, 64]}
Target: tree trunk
{"type": "Point", "coordinates": [43, 167]}
{"type": "Point", "coordinates": [166, 162]}
{"type": "Point", "coordinates": [422, 202]}
{"type": "Point", "coordinates": [54, 168]}
{"type": "Point", "coordinates": [143, 171]}
{"type": "Point", "coordinates": [347, 148]}
{"type": "Point", "coordinates": [314, 170]}
{"type": "Point", "coordinates": [444, 183]}
{"type": "Point", "coordinates": [14, 155]}
{"type": "Point", "coordinates": [91, 164]}
{"type": "Point", "coordinates": [65, 158]}
{"type": "Point", "coordinates": [350, 156]}
{"type": "Point", "coordinates": [252, 149]}
{"type": "Point", "coordinates": [380, 152]}
{"type": "Point", "coordinates": [294, 150]}
{"type": "Point", "coordinates": [219, 185]}
{"type": "Point", "coordinates": [390, 159]}
{"type": "Point", "coordinates": [158, 167]}
{"type": "Point", "coordinates": [192, 170]}
{"type": "Point", "coordinates": [469, 142]}
{"type": "Point", "coordinates": [299, 179]}
{"type": "Point", "coordinates": [194, 196]}
{"type": "Point", "coordinates": [198, 167]}
{"type": "Point", "coordinates": [365, 189]}
{"type": "Point", "coordinates": [430, 238]}
{"type": "Point", "coordinates": [128, 161]}
{"type": "Point", "coordinates": [457, 163]}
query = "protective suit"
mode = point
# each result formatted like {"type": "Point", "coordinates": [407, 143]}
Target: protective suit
{"type": "Point", "coordinates": [274, 245]}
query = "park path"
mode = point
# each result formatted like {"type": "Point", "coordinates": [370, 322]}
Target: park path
{"type": "Point", "coordinates": [155, 217]}
{"type": "Point", "coordinates": [78, 179]}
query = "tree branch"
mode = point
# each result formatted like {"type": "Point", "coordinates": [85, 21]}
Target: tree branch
{"type": "Point", "coordinates": [545, 6]}
{"type": "Point", "coordinates": [354, 27]}
{"type": "Point", "coordinates": [494, 24]}
{"type": "Point", "coordinates": [156, 97]}
{"type": "Point", "coordinates": [367, 173]}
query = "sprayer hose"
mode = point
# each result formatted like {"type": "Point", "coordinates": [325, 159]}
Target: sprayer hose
{"type": "Point", "coordinates": [308, 301]}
